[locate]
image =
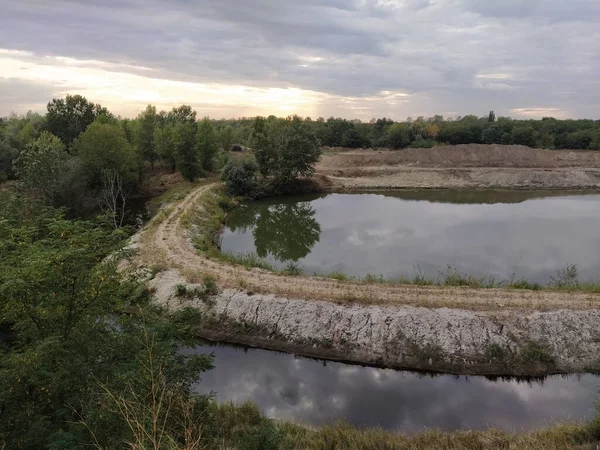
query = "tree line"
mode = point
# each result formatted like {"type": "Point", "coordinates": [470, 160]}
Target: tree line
{"type": "Point", "coordinates": [79, 155]}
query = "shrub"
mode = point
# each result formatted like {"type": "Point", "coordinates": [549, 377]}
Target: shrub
{"type": "Point", "coordinates": [240, 177]}
{"type": "Point", "coordinates": [210, 286]}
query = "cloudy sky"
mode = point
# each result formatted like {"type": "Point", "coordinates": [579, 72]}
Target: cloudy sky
{"type": "Point", "coordinates": [348, 58]}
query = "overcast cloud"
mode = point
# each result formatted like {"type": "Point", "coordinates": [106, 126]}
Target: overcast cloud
{"type": "Point", "coordinates": [363, 58]}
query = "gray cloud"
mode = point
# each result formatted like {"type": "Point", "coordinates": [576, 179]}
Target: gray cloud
{"type": "Point", "coordinates": [459, 55]}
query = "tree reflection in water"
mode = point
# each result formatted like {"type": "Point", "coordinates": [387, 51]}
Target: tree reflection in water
{"type": "Point", "coordinates": [284, 231]}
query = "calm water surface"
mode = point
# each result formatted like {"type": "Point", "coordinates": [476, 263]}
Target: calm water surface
{"type": "Point", "coordinates": [315, 392]}
{"type": "Point", "coordinates": [499, 233]}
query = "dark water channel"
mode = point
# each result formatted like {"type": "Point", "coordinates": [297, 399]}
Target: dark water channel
{"type": "Point", "coordinates": [316, 392]}
{"type": "Point", "coordinates": [529, 234]}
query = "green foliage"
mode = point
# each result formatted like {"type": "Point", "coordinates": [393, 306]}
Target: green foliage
{"type": "Point", "coordinates": [69, 117]}
{"type": "Point", "coordinates": [7, 157]}
{"type": "Point", "coordinates": [398, 135]}
{"type": "Point", "coordinates": [239, 177]}
{"type": "Point", "coordinates": [210, 285]}
{"type": "Point", "coordinates": [493, 134]}
{"type": "Point", "coordinates": [39, 166]}
{"type": "Point", "coordinates": [226, 138]}
{"type": "Point", "coordinates": [145, 133]}
{"type": "Point", "coordinates": [285, 149]}
{"type": "Point", "coordinates": [75, 326]}
{"type": "Point", "coordinates": [104, 147]}
{"type": "Point", "coordinates": [207, 145]}
{"type": "Point", "coordinates": [186, 155]}
{"type": "Point", "coordinates": [164, 146]}
{"type": "Point", "coordinates": [523, 135]}
{"type": "Point", "coordinates": [534, 352]}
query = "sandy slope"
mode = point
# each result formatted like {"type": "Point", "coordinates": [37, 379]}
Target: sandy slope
{"type": "Point", "coordinates": [463, 166]}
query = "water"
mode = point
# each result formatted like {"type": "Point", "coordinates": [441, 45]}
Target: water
{"type": "Point", "coordinates": [314, 392]}
{"type": "Point", "coordinates": [481, 233]}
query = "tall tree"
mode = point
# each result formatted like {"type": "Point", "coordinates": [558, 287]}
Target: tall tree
{"type": "Point", "coordinates": [186, 154]}
{"type": "Point", "coordinates": [145, 134]}
{"type": "Point", "coordinates": [226, 138]}
{"type": "Point", "coordinates": [164, 145]}
{"type": "Point", "coordinates": [39, 166]}
{"type": "Point", "coordinates": [104, 147]}
{"type": "Point", "coordinates": [68, 117]}
{"type": "Point", "coordinates": [206, 144]}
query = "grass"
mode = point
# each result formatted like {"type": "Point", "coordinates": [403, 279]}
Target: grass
{"type": "Point", "coordinates": [565, 280]}
{"type": "Point", "coordinates": [205, 292]}
{"type": "Point", "coordinates": [243, 427]}
{"type": "Point", "coordinates": [172, 195]}
{"type": "Point", "coordinates": [207, 218]}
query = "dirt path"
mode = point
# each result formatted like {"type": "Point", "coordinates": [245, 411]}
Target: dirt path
{"type": "Point", "coordinates": [166, 243]}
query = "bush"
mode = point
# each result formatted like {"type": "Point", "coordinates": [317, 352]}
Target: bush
{"type": "Point", "coordinates": [240, 177]}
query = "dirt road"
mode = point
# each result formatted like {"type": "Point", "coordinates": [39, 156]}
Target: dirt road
{"type": "Point", "coordinates": [472, 331]}
{"type": "Point", "coordinates": [166, 242]}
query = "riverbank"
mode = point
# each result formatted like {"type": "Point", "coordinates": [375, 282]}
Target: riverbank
{"type": "Point", "coordinates": [454, 329]}
{"type": "Point", "coordinates": [462, 166]}
{"type": "Point", "coordinates": [245, 424]}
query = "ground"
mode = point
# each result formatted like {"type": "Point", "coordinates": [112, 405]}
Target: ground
{"type": "Point", "coordinates": [462, 166]}
{"type": "Point", "coordinates": [511, 331]}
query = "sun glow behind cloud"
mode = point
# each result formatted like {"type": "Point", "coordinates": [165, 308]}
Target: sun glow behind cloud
{"type": "Point", "coordinates": [127, 93]}
{"type": "Point", "coordinates": [125, 89]}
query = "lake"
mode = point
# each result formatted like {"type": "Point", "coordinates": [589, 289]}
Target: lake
{"type": "Point", "coordinates": [504, 234]}
{"type": "Point", "coordinates": [315, 392]}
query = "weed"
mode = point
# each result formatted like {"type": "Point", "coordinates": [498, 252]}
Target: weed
{"type": "Point", "coordinates": [566, 278]}
{"type": "Point", "coordinates": [534, 352]}
{"type": "Point", "coordinates": [292, 268]}
{"type": "Point", "coordinates": [340, 276]}
{"type": "Point", "coordinates": [226, 204]}
{"type": "Point", "coordinates": [496, 352]}
{"type": "Point", "coordinates": [210, 285]}
{"type": "Point", "coordinates": [374, 279]}
{"type": "Point", "coordinates": [181, 291]}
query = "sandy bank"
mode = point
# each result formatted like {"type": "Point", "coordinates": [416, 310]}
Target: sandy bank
{"type": "Point", "coordinates": [463, 166]}
{"type": "Point", "coordinates": [501, 331]}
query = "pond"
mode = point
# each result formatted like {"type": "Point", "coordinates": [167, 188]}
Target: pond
{"type": "Point", "coordinates": [314, 392]}
{"type": "Point", "coordinates": [527, 234]}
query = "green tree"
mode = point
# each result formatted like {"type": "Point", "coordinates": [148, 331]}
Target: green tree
{"type": "Point", "coordinates": [523, 135]}
{"type": "Point", "coordinates": [145, 134]}
{"type": "Point", "coordinates": [164, 145]}
{"type": "Point", "coordinates": [71, 326]}
{"type": "Point", "coordinates": [186, 154]}
{"type": "Point", "coordinates": [492, 134]}
{"type": "Point", "coordinates": [104, 147]}
{"type": "Point", "coordinates": [69, 117]}
{"type": "Point", "coordinates": [226, 138]}
{"type": "Point", "coordinates": [207, 144]}
{"type": "Point", "coordinates": [299, 151]}
{"type": "Point", "coordinates": [398, 135]}
{"type": "Point", "coordinates": [240, 177]}
{"type": "Point", "coordinates": [7, 157]}
{"type": "Point", "coordinates": [285, 149]}
{"type": "Point", "coordinates": [39, 166]}
{"type": "Point", "coordinates": [492, 116]}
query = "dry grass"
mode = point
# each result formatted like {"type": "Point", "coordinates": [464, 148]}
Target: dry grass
{"type": "Point", "coordinates": [166, 241]}
{"type": "Point", "coordinates": [244, 427]}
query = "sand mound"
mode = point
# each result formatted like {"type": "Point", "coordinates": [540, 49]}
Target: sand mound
{"type": "Point", "coordinates": [472, 155]}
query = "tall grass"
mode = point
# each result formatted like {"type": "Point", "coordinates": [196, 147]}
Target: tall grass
{"type": "Point", "coordinates": [243, 427]}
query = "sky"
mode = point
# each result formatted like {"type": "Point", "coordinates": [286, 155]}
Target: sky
{"type": "Point", "coordinates": [346, 58]}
